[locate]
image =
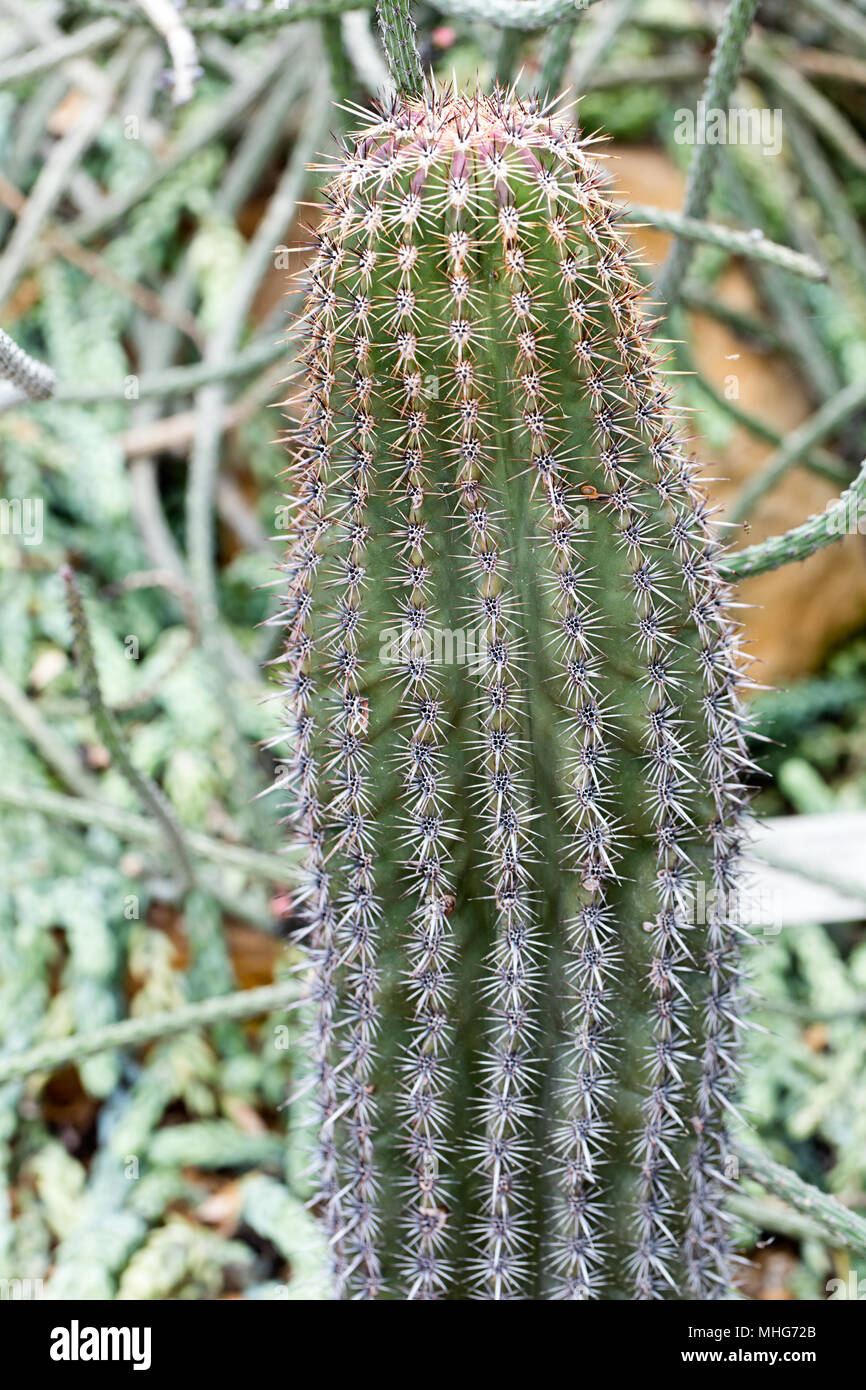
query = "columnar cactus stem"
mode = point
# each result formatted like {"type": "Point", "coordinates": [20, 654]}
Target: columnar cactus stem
{"type": "Point", "coordinates": [526, 1039]}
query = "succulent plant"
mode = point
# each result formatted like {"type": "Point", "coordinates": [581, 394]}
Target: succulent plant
{"type": "Point", "coordinates": [514, 744]}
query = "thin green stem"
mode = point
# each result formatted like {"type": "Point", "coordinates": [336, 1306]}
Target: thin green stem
{"type": "Point", "coordinates": [843, 1227]}
{"type": "Point", "coordinates": [601, 37]}
{"type": "Point", "coordinates": [795, 89]}
{"type": "Point", "coordinates": [555, 58]}
{"type": "Point", "coordinates": [506, 56]}
{"type": "Point", "coordinates": [769, 1215]}
{"type": "Point", "coordinates": [721, 79]}
{"type": "Point", "coordinates": [787, 298]}
{"type": "Point", "coordinates": [840, 518]}
{"type": "Point", "coordinates": [176, 381]}
{"type": "Point", "coordinates": [62, 160]}
{"type": "Point", "coordinates": [79, 810]}
{"type": "Point", "coordinates": [152, 796]}
{"type": "Point", "coordinates": [822, 462]}
{"type": "Point", "coordinates": [758, 331]}
{"type": "Point", "coordinates": [117, 206]}
{"type": "Point", "coordinates": [847, 23]}
{"type": "Point", "coordinates": [833, 414]}
{"type": "Point", "coordinates": [51, 747]}
{"type": "Point", "coordinates": [136, 1032]}
{"type": "Point", "coordinates": [339, 67]}
{"type": "Point", "coordinates": [751, 244]}
{"type": "Point", "coordinates": [397, 28]}
{"type": "Point", "coordinates": [808, 1013]}
{"type": "Point", "coordinates": [831, 197]}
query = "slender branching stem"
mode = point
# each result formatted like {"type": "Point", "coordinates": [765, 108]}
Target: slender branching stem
{"type": "Point", "coordinates": [144, 787]}
{"type": "Point", "coordinates": [45, 57]}
{"type": "Point", "coordinates": [721, 79]}
{"type": "Point", "coordinates": [601, 37]}
{"type": "Point", "coordinates": [798, 92]}
{"type": "Point", "coordinates": [136, 1032]}
{"type": "Point", "coordinates": [840, 518]}
{"type": "Point", "coordinates": [203, 133]}
{"type": "Point", "coordinates": [504, 14]}
{"type": "Point", "coordinates": [507, 53]}
{"type": "Point", "coordinates": [397, 28]}
{"type": "Point", "coordinates": [752, 244]}
{"type": "Point", "coordinates": [844, 1227]}
{"type": "Point", "coordinates": [176, 381]}
{"type": "Point", "coordinates": [555, 58]}
{"type": "Point", "coordinates": [825, 422]}
{"type": "Point", "coordinates": [52, 749]}
{"type": "Point", "coordinates": [339, 65]}
{"type": "Point", "coordinates": [140, 830]}
{"type": "Point", "coordinates": [847, 23]}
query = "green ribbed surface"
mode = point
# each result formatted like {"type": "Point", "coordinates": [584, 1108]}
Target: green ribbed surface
{"type": "Point", "coordinates": [523, 1031]}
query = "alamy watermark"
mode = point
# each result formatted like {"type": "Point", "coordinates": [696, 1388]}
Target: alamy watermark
{"type": "Point", "coordinates": [434, 646]}
{"type": "Point", "coordinates": [22, 516]}
{"type": "Point", "coordinates": [760, 126]}
{"type": "Point", "coordinates": [849, 519]}
{"type": "Point", "coordinates": [854, 1288]}
{"type": "Point", "coordinates": [21, 1290]}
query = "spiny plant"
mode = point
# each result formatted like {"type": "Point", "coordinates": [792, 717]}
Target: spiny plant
{"type": "Point", "coordinates": [521, 851]}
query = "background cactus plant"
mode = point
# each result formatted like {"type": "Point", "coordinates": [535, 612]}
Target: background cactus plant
{"type": "Point", "coordinates": [519, 866]}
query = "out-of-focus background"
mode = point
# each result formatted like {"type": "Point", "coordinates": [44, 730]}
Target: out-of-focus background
{"type": "Point", "coordinates": [148, 234]}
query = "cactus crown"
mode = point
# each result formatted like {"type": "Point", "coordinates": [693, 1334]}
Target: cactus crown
{"type": "Point", "coordinates": [520, 850]}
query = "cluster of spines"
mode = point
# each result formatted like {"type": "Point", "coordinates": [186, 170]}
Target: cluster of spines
{"type": "Point", "coordinates": [631, 412]}
{"type": "Point", "coordinates": [351, 828]}
{"type": "Point", "coordinates": [311, 450]}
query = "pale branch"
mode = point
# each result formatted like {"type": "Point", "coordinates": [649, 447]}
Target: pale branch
{"type": "Point", "coordinates": [35, 379]}
{"type": "Point", "coordinates": [44, 57]}
{"type": "Point", "coordinates": [172, 28]}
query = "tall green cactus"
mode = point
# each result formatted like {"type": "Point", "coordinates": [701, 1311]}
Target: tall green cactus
{"type": "Point", "coordinates": [514, 744]}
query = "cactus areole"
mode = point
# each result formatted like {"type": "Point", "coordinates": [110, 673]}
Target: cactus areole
{"type": "Point", "coordinates": [513, 744]}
